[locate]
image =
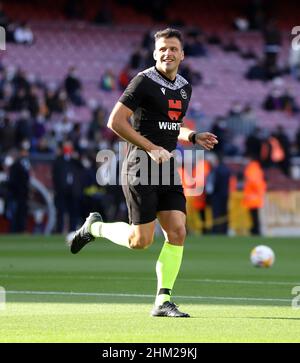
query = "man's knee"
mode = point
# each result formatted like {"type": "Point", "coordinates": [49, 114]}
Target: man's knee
{"type": "Point", "coordinates": [177, 234]}
{"type": "Point", "coordinates": [140, 242]}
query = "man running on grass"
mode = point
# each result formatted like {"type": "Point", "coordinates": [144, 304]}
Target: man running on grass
{"type": "Point", "coordinates": [157, 100]}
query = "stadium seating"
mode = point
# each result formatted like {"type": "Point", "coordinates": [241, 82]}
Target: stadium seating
{"type": "Point", "coordinates": [93, 50]}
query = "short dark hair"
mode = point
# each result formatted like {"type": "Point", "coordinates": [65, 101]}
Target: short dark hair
{"type": "Point", "coordinates": [169, 33]}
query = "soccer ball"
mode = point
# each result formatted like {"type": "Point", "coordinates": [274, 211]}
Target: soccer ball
{"type": "Point", "coordinates": [262, 256]}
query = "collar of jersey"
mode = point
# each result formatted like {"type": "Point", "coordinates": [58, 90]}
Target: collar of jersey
{"type": "Point", "coordinates": [153, 74]}
{"type": "Point", "coordinates": [164, 77]}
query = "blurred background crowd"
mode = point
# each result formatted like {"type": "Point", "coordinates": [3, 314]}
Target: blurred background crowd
{"type": "Point", "coordinates": [66, 64]}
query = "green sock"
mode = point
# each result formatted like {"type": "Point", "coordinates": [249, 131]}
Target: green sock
{"type": "Point", "coordinates": [167, 268]}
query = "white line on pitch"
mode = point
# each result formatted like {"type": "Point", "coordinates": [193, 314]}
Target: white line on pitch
{"type": "Point", "coordinates": [94, 277]}
{"type": "Point", "coordinates": [71, 293]}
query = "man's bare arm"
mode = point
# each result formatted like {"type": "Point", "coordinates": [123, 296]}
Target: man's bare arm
{"type": "Point", "coordinates": [119, 123]}
{"type": "Point", "coordinates": [185, 133]}
{"type": "Point", "coordinates": [205, 139]}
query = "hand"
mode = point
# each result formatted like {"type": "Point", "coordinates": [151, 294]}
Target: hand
{"type": "Point", "coordinates": [206, 140]}
{"type": "Point", "coordinates": [160, 155]}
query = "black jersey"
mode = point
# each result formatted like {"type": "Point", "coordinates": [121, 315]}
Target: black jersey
{"type": "Point", "coordinates": [159, 106]}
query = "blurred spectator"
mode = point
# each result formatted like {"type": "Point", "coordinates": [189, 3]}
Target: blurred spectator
{"type": "Point", "coordinates": [249, 53]}
{"type": "Point", "coordinates": [297, 141]}
{"type": "Point", "coordinates": [62, 128]}
{"type": "Point", "coordinates": [272, 39]}
{"type": "Point", "coordinates": [263, 71]}
{"type": "Point", "coordinates": [147, 40]}
{"type": "Point", "coordinates": [289, 101]}
{"type": "Point", "coordinates": [55, 100]}
{"type": "Point", "coordinates": [23, 34]}
{"type": "Point", "coordinates": [226, 145]}
{"type": "Point", "coordinates": [231, 46]}
{"type": "Point", "coordinates": [97, 124]}
{"type": "Point", "coordinates": [273, 153]}
{"type": "Point", "coordinates": [217, 191]}
{"type": "Point", "coordinates": [23, 128]}
{"type": "Point", "coordinates": [203, 167]}
{"type": "Point", "coordinates": [52, 141]}
{"type": "Point", "coordinates": [32, 102]}
{"type": "Point", "coordinates": [253, 143]}
{"type": "Point", "coordinates": [136, 59]}
{"type": "Point", "coordinates": [75, 136]}
{"type": "Point", "coordinates": [19, 80]}
{"type": "Point", "coordinates": [274, 100]}
{"type": "Point", "coordinates": [5, 165]}
{"type": "Point", "coordinates": [219, 128]}
{"type": "Point", "coordinates": [7, 135]}
{"type": "Point", "coordinates": [241, 24]}
{"type": "Point", "coordinates": [196, 112]}
{"type": "Point", "coordinates": [98, 130]}
{"type": "Point", "coordinates": [236, 109]}
{"type": "Point", "coordinates": [149, 60]}
{"type": "Point", "coordinates": [6, 95]}
{"type": "Point", "coordinates": [18, 101]}
{"type": "Point", "coordinates": [280, 100]}
{"type": "Point", "coordinates": [240, 120]}
{"type": "Point", "coordinates": [254, 192]}
{"type": "Point", "coordinates": [285, 143]}
{"type": "Point", "coordinates": [294, 62]}
{"type": "Point", "coordinates": [124, 78]}
{"type": "Point", "coordinates": [19, 184]}
{"type": "Point", "coordinates": [42, 146]}
{"type": "Point", "coordinates": [67, 188]}
{"type": "Point", "coordinates": [108, 81]}
{"type": "Point", "coordinates": [98, 121]}
{"type": "Point", "coordinates": [73, 87]}
{"type": "Point", "coordinates": [61, 102]}
{"type": "Point", "coordinates": [195, 44]}
{"type": "Point", "coordinates": [94, 197]}
{"type": "Point", "coordinates": [249, 115]}
{"type": "Point", "coordinates": [10, 32]}
{"type": "Point", "coordinates": [38, 130]}
{"type": "Point", "coordinates": [256, 71]}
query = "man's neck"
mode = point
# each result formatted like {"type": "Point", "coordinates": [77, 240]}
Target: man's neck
{"type": "Point", "coordinates": [168, 76]}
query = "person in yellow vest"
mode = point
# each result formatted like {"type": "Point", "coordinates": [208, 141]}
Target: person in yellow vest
{"type": "Point", "coordinates": [199, 201]}
{"type": "Point", "coordinates": [254, 192]}
{"type": "Point", "coordinates": [272, 153]}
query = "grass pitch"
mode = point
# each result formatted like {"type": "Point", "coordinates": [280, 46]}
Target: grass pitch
{"type": "Point", "coordinates": [106, 292]}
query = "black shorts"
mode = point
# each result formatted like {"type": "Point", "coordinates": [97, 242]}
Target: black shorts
{"type": "Point", "coordinates": [144, 201]}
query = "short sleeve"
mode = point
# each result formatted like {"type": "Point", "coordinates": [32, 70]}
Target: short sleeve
{"type": "Point", "coordinates": [134, 93]}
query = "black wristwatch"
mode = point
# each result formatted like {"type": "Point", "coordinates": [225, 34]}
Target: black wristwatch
{"type": "Point", "coordinates": [193, 138]}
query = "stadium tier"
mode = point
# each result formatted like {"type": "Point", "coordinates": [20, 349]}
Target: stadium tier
{"type": "Point", "coordinates": [94, 50]}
